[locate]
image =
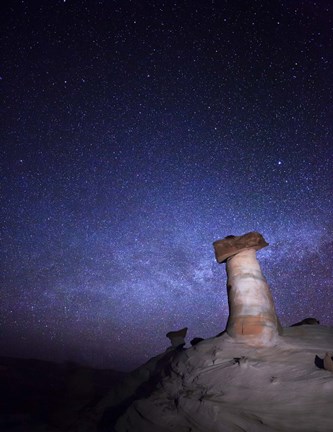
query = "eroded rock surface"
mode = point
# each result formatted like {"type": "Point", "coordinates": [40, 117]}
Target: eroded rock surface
{"type": "Point", "coordinates": [223, 385]}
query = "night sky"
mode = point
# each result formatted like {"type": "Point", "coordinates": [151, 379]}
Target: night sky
{"type": "Point", "coordinates": [136, 133]}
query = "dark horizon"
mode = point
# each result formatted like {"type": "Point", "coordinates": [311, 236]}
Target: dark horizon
{"type": "Point", "coordinates": [134, 135]}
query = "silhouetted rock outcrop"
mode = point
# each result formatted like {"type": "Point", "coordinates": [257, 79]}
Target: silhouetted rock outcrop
{"type": "Point", "coordinates": [308, 321]}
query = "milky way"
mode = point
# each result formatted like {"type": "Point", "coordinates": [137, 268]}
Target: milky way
{"type": "Point", "coordinates": [134, 134]}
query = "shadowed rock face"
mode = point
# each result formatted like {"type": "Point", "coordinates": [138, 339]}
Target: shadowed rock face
{"type": "Point", "coordinates": [252, 317]}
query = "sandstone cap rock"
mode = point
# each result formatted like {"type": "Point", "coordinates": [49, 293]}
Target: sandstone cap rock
{"type": "Point", "coordinates": [177, 333]}
{"type": "Point", "coordinates": [231, 245]}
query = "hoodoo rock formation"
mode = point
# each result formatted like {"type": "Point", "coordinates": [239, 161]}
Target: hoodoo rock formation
{"type": "Point", "coordinates": [252, 316]}
{"type": "Point", "coordinates": [177, 338]}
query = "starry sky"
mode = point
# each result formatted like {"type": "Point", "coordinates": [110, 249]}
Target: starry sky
{"type": "Point", "coordinates": [136, 133]}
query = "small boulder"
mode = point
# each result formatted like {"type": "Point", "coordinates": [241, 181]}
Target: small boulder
{"type": "Point", "coordinates": [328, 362]}
{"type": "Point", "coordinates": [325, 363]}
{"type": "Point", "coordinates": [196, 340]}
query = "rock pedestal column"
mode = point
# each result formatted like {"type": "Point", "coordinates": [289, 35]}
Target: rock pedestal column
{"type": "Point", "coordinates": [252, 316]}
